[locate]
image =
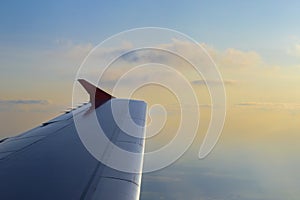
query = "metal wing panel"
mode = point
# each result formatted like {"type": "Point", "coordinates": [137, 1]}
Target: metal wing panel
{"type": "Point", "coordinates": [110, 183]}
{"type": "Point", "coordinates": [56, 165]}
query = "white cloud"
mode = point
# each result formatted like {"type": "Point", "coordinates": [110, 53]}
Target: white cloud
{"type": "Point", "coordinates": [24, 102]}
{"type": "Point", "coordinates": [270, 105]}
{"type": "Point", "coordinates": [294, 50]}
{"type": "Point", "coordinates": [234, 58]}
{"type": "Point", "coordinates": [69, 50]}
{"type": "Point", "coordinates": [28, 105]}
{"type": "Point", "coordinates": [214, 82]}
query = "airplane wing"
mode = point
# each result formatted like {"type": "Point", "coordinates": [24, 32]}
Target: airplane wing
{"type": "Point", "coordinates": [51, 162]}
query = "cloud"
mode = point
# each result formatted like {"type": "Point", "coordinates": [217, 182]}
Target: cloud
{"type": "Point", "coordinates": [69, 50]}
{"type": "Point", "coordinates": [146, 56]}
{"type": "Point", "coordinates": [24, 102]}
{"type": "Point", "coordinates": [294, 50]}
{"type": "Point", "coordinates": [234, 58]}
{"type": "Point", "coordinates": [162, 53]}
{"type": "Point", "coordinates": [229, 58]}
{"type": "Point", "coordinates": [25, 105]}
{"type": "Point", "coordinates": [270, 105]}
{"type": "Point", "coordinates": [214, 82]}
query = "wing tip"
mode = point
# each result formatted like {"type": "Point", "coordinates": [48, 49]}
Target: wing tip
{"type": "Point", "coordinates": [97, 95]}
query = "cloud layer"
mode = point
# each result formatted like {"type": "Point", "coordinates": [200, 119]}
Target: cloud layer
{"type": "Point", "coordinates": [270, 105]}
{"type": "Point", "coordinates": [24, 102]}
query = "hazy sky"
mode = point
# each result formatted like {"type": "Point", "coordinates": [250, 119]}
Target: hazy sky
{"type": "Point", "coordinates": [256, 45]}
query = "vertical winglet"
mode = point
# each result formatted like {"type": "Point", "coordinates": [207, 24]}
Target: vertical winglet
{"type": "Point", "coordinates": [97, 96]}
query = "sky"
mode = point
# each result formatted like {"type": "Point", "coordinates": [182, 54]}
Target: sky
{"type": "Point", "coordinates": [255, 44]}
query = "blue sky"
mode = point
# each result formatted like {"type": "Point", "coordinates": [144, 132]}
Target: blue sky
{"type": "Point", "coordinates": [255, 25]}
{"type": "Point", "coordinates": [268, 27]}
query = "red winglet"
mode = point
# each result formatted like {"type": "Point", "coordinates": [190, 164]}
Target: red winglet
{"type": "Point", "coordinates": [97, 96]}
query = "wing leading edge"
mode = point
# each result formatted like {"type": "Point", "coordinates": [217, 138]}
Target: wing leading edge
{"type": "Point", "coordinates": [50, 161]}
